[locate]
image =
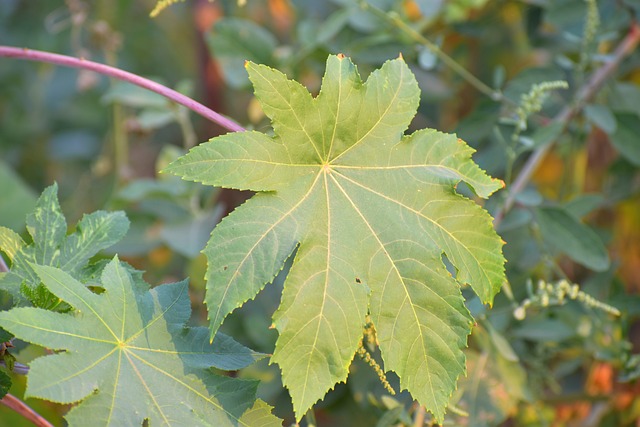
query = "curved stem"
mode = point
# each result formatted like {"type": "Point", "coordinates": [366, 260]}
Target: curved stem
{"type": "Point", "coordinates": [12, 402]}
{"type": "Point", "coordinates": [418, 417]}
{"type": "Point", "coordinates": [69, 61]}
{"type": "Point", "coordinates": [626, 46]}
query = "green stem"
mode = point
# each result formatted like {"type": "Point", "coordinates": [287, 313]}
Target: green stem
{"type": "Point", "coordinates": [188, 134]}
{"type": "Point", "coordinates": [587, 92]}
{"type": "Point", "coordinates": [395, 20]}
{"type": "Point", "coordinates": [120, 137]}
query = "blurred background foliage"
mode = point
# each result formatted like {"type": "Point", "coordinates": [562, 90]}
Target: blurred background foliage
{"type": "Point", "coordinates": [544, 355]}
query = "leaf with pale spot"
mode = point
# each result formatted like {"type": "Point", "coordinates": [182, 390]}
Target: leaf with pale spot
{"type": "Point", "coordinates": [53, 247]}
{"type": "Point", "coordinates": [368, 213]}
{"type": "Point", "coordinates": [128, 356]}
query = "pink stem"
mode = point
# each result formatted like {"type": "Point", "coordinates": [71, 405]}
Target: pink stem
{"type": "Point", "coordinates": [20, 407]}
{"type": "Point", "coordinates": [69, 61]}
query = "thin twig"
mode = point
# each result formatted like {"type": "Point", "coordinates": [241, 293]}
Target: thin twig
{"type": "Point", "coordinates": [12, 402]}
{"type": "Point", "coordinates": [395, 20]}
{"type": "Point", "coordinates": [3, 265]}
{"type": "Point", "coordinates": [69, 61]}
{"type": "Point", "coordinates": [418, 417]}
{"type": "Point", "coordinates": [626, 46]}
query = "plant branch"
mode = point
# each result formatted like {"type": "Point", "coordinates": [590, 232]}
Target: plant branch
{"type": "Point", "coordinates": [418, 417]}
{"type": "Point", "coordinates": [12, 402]}
{"type": "Point", "coordinates": [3, 266]}
{"type": "Point", "coordinates": [626, 46]}
{"type": "Point", "coordinates": [395, 20]}
{"type": "Point", "coordinates": [69, 61]}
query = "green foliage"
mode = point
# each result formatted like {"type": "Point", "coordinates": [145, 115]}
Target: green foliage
{"type": "Point", "coordinates": [625, 137]}
{"type": "Point", "coordinates": [125, 348]}
{"type": "Point", "coordinates": [234, 41]}
{"type": "Point", "coordinates": [542, 356]}
{"type": "Point", "coordinates": [8, 361]}
{"type": "Point", "coordinates": [368, 214]}
{"type": "Point", "coordinates": [53, 247]}
{"type": "Point", "coordinates": [566, 234]}
{"type": "Point", "coordinates": [19, 199]}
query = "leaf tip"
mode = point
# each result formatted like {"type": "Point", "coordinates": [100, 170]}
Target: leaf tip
{"type": "Point", "coordinates": [340, 56]}
{"type": "Point", "coordinates": [400, 57]}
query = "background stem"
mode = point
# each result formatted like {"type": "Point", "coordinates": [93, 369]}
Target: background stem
{"type": "Point", "coordinates": [69, 61]}
{"type": "Point", "coordinates": [12, 402]}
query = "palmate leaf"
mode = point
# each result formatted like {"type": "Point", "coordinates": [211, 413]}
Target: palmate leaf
{"type": "Point", "coordinates": [53, 247]}
{"type": "Point", "coordinates": [129, 356]}
{"type": "Point", "coordinates": [369, 213]}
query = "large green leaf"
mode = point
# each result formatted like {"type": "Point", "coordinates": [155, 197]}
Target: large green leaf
{"type": "Point", "coordinates": [368, 212]}
{"type": "Point", "coordinates": [129, 357]}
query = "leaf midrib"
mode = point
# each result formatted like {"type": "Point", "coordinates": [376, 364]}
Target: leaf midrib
{"type": "Point", "coordinates": [395, 269]}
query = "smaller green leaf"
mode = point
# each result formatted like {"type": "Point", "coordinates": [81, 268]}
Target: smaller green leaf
{"type": "Point", "coordinates": [331, 26]}
{"type": "Point", "coordinates": [9, 360]}
{"type": "Point", "coordinates": [4, 335]}
{"type": "Point", "coordinates": [130, 357]}
{"type": "Point", "coordinates": [5, 383]}
{"type": "Point", "coordinates": [547, 134]}
{"type": "Point", "coordinates": [485, 395]}
{"type": "Point", "coordinates": [51, 246]}
{"type": "Point", "coordinates": [601, 116]}
{"type": "Point", "coordinates": [47, 226]}
{"type": "Point", "coordinates": [625, 138]}
{"type": "Point", "coordinates": [584, 204]}
{"type": "Point", "coordinates": [234, 41]}
{"type": "Point", "coordinates": [430, 8]}
{"type": "Point", "coordinates": [566, 234]}
{"type": "Point", "coordinates": [501, 344]}
{"type": "Point", "coordinates": [95, 232]}
{"type": "Point", "coordinates": [624, 97]}
{"type": "Point", "coordinates": [544, 330]}
{"type": "Point", "coordinates": [190, 236]}
{"type": "Point", "coordinates": [10, 242]}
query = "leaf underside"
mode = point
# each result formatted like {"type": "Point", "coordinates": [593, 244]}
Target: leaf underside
{"type": "Point", "coordinates": [128, 356]}
{"type": "Point", "coordinates": [369, 213]}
